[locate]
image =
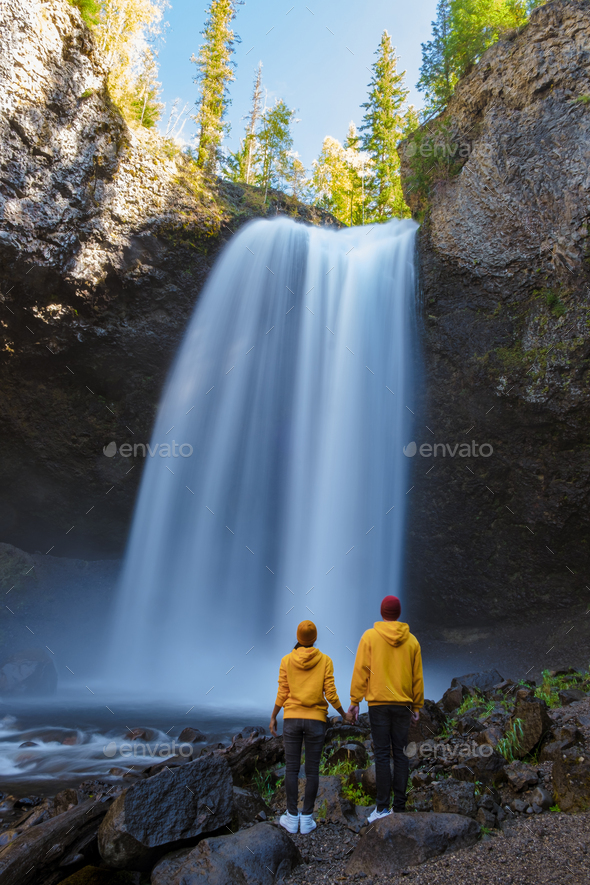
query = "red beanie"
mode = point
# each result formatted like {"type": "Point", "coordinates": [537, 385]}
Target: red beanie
{"type": "Point", "coordinates": [391, 608]}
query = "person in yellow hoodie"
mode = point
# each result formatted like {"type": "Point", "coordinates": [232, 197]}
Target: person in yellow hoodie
{"type": "Point", "coordinates": [306, 684]}
{"type": "Point", "coordinates": [388, 673]}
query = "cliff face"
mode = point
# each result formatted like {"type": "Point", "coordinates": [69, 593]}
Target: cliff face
{"type": "Point", "coordinates": [106, 237]}
{"type": "Point", "coordinates": [505, 292]}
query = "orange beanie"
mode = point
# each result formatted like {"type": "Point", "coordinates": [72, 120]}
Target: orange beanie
{"type": "Point", "coordinates": [307, 633]}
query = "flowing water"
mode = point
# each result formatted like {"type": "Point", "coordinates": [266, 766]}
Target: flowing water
{"type": "Point", "coordinates": [275, 491]}
{"type": "Point", "coordinates": [288, 407]}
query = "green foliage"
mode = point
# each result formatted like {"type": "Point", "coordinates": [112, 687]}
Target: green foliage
{"type": "Point", "coordinates": [461, 33]}
{"type": "Point", "coordinates": [510, 743]}
{"type": "Point", "coordinates": [555, 808]}
{"type": "Point", "coordinates": [215, 71]}
{"type": "Point", "coordinates": [551, 685]}
{"type": "Point", "coordinates": [339, 177]}
{"type": "Point", "coordinates": [144, 103]}
{"type": "Point", "coordinates": [275, 145]}
{"type": "Point", "coordinates": [555, 305]}
{"type": "Point", "coordinates": [581, 99]}
{"type": "Point", "coordinates": [357, 795]}
{"type": "Point", "coordinates": [387, 120]}
{"type": "Point", "coordinates": [265, 784]}
{"type": "Point", "coordinates": [436, 153]}
{"type": "Point", "coordinates": [89, 10]}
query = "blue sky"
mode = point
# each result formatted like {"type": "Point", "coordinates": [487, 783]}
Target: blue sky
{"type": "Point", "coordinates": [314, 57]}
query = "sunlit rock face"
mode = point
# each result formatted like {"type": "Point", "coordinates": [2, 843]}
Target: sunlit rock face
{"type": "Point", "coordinates": [504, 287]}
{"type": "Point", "coordinates": [106, 237]}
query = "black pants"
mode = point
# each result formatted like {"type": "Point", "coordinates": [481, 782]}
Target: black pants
{"type": "Point", "coordinates": [390, 724]}
{"type": "Point", "coordinates": [295, 732]}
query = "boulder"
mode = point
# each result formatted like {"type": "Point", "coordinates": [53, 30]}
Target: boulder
{"type": "Point", "coordinates": [330, 804]}
{"type": "Point", "coordinates": [520, 775]}
{"type": "Point", "coordinates": [28, 672]}
{"type": "Point", "coordinates": [492, 736]}
{"type": "Point", "coordinates": [541, 797]}
{"type": "Point", "coordinates": [488, 768]}
{"type": "Point", "coordinates": [247, 755]}
{"type": "Point", "coordinates": [453, 698]}
{"type": "Point", "coordinates": [454, 797]}
{"type": "Point", "coordinates": [429, 725]}
{"type": "Point", "coordinates": [343, 732]}
{"type": "Point", "coordinates": [468, 725]}
{"type": "Point", "coordinates": [485, 818]}
{"type": "Point", "coordinates": [260, 855]}
{"type": "Point", "coordinates": [248, 805]}
{"type": "Point", "coordinates": [487, 680]}
{"type": "Point", "coordinates": [559, 740]}
{"type": "Point", "coordinates": [571, 695]}
{"type": "Point", "coordinates": [571, 782]}
{"type": "Point", "coordinates": [191, 736]}
{"type": "Point", "coordinates": [401, 840]}
{"type": "Point", "coordinates": [368, 781]}
{"type": "Point", "coordinates": [534, 716]}
{"type": "Point", "coordinates": [174, 805]}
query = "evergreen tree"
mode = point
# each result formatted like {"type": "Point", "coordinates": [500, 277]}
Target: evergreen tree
{"type": "Point", "coordinates": [437, 79]}
{"type": "Point", "coordinates": [241, 165]}
{"type": "Point", "coordinates": [384, 124]}
{"type": "Point", "coordinates": [463, 30]}
{"type": "Point", "coordinates": [215, 73]}
{"type": "Point", "coordinates": [276, 142]}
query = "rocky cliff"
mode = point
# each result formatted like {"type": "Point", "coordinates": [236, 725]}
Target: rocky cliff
{"type": "Point", "coordinates": [106, 236]}
{"type": "Point", "coordinates": [502, 182]}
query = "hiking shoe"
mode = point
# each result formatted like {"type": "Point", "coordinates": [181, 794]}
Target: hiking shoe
{"type": "Point", "coordinates": [289, 822]}
{"type": "Point", "coordinates": [377, 815]}
{"type": "Point", "coordinates": [307, 823]}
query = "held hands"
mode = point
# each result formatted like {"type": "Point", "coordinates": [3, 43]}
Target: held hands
{"type": "Point", "coordinates": [353, 713]}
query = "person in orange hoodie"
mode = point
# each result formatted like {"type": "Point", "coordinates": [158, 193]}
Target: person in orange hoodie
{"type": "Point", "coordinates": [388, 673]}
{"type": "Point", "coordinates": [306, 684]}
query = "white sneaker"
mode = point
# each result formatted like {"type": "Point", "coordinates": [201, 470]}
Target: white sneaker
{"type": "Point", "coordinates": [289, 822]}
{"type": "Point", "coordinates": [308, 824]}
{"type": "Point", "coordinates": [377, 815]}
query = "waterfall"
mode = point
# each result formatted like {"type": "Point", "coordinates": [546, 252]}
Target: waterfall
{"type": "Point", "coordinates": [282, 492]}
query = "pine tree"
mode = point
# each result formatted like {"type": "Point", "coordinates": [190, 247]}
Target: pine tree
{"type": "Point", "coordinates": [437, 78]}
{"type": "Point", "coordinates": [384, 124]}
{"type": "Point", "coordinates": [241, 165]}
{"type": "Point", "coordinates": [275, 142]}
{"type": "Point", "coordinates": [340, 177]}
{"type": "Point", "coordinates": [215, 73]}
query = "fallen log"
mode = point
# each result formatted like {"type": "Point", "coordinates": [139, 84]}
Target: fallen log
{"type": "Point", "coordinates": [46, 853]}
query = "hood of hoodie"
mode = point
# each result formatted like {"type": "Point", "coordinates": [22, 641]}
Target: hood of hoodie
{"type": "Point", "coordinates": [306, 658]}
{"type": "Point", "coordinates": [394, 632]}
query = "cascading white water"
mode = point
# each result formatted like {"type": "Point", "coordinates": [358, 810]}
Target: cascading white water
{"type": "Point", "coordinates": [293, 386]}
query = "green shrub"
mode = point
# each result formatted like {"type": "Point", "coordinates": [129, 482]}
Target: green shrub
{"type": "Point", "coordinates": [89, 10]}
{"type": "Point", "coordinates": [510, 743]}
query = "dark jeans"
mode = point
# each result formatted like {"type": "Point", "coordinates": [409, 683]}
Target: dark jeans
{"type": "Point", "coordinates": [390, 724]}
{"type": "Point", "coordinates": [295, 732]}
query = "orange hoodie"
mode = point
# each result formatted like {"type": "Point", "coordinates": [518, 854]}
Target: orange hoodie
{"type": "Point", "coordinates": [305, 676]}
{"type": "Point", "coordinates": [388, 667]}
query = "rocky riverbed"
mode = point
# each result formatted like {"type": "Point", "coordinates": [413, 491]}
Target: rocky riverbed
{"type": "Point", "coordinates": [499, 785]}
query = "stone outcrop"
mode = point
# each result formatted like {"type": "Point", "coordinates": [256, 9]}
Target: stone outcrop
{"type": "Point", "coordinates": [505, 301]}
{"type": "Point", "coordinates": [106, 236]}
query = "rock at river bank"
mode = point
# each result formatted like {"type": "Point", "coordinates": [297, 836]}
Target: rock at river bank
{"type": "Point", "coordinates": [403, 840]}
{"type": "Point", "coordinates": [571, 782]}
{"type": "Point", "coordinates": [534, 717]}
{"type": "Point", "coordinates": [29, 672]}
{"type": "Point", "coordinates": [260, 855]}
{"type": "Point", "coordinates": [174, 805]}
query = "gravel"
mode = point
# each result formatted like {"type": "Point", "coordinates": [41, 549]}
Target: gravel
{"type": "Point", "coordinates": [536, 851]}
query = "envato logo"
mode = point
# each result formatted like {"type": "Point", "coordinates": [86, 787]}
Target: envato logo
{"type": "Point", "coordinates": [448, 752]}
{"type": "Point", "coordinates": [166, 450]}
{"type": "Point", "coordinates": [448, 149]}
{"type": "Point", "coordinates": [164, 750]}
{"type": "Point", "coordinates": [463, 450]}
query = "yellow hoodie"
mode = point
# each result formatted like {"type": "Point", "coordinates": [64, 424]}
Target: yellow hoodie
{"type": "Point", "coordinates": [305, 676]}
{"type": "Point", "coordinates": [388, 667]}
